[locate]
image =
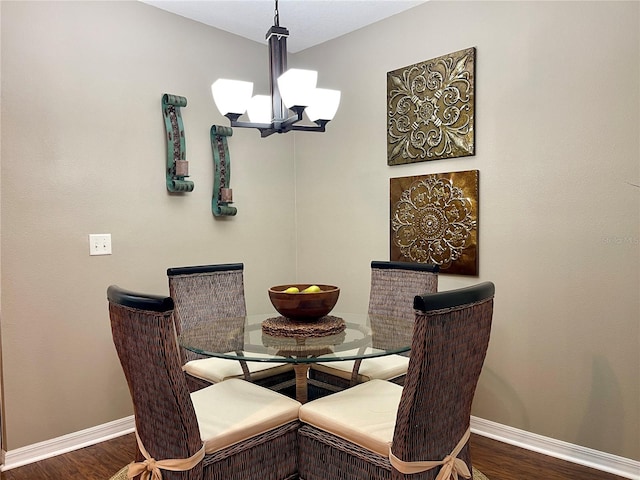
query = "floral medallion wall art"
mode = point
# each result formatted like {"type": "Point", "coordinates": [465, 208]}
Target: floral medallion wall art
{"type": "Point", "coordinates": [430, 109]}
{"type": "Point", "coordinates": [434, 219]}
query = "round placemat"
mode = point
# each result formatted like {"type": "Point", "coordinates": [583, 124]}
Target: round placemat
{"type": "Point", "coordinates": [301, 346]}
{"type": "Point", "coordinates": [285, 327]}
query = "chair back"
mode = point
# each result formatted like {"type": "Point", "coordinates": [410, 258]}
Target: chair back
{"type": "Point", "coordinates": [145, 340]}
{"type": "Point", "coordinates": [205, 295]}
{"type": "Point", "coordinates": [450, 341]}
{"type": "Point", "coordinates": [393, 288]}
{"type": "Point", "coordinates": [395, 284]}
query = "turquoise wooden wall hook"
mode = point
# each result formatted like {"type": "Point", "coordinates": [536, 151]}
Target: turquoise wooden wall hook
{"type": "Point", "coordinates": [222, 194]}
{"type": "Point", "coordinates": [177, 165]}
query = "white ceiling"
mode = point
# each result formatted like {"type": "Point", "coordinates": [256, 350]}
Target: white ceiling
{"type": "Point", "coordinates": [310, 22]}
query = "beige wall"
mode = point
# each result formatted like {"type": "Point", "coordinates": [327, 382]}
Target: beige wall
{"type": "Point", "coordinates": [557, 138]}
{"type": "Point", "coordinates": [83, 151]}
{"type": "Point", "coordinates": [557, 149]}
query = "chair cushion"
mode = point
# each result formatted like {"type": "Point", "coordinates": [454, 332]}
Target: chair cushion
{"type": "Point", "coordinates": [364, 414]}
{"type": "Point", "coordinates": [382, 368]}
{"type": "Point", "coordinates": [236, 410]}
{"type": "Point", "coordinates": [219, 369]}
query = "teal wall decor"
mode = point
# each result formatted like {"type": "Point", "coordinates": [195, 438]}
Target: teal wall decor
{"type": "Point", "coordinates": [222, 194]}
{"type": "Point", "coordinates": [177, 165]}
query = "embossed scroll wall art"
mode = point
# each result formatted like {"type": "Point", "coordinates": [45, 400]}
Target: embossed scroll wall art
{"type": "Point", "coordinates": [434, 219]}
{"type": "Point", "coordinates": [222, 194]}
{"type": "Point", "coordinates": [430, 107]}
{"type": "Point", "coordinates": [177, 166]}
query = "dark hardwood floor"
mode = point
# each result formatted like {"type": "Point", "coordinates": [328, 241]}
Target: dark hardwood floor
{"type": "Point", "coordinates": [496, 460]}
{"type": "Point", "coordinates": [500, 461]}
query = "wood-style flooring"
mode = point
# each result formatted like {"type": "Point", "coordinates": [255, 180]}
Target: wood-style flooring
{"type": "Point", "coordinates": [496, 460]}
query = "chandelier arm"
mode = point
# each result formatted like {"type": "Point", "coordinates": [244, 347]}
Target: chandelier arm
{"type": "Point", "coordinates": [285, 125]}
{"type": "Point", "coordinates": [309, 128]}
{"type": "Point", "coordinates": [251, 125]}
{"type": "Point", "coordinates": [267, 129]}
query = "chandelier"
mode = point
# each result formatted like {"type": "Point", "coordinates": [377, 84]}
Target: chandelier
{"type": "Point", "coordinates": [293, 93]}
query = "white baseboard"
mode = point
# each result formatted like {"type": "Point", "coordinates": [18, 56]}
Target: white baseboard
{"type": "Point", "coordinates": [606, 462]}
{"type": "Point", "coordinates": [602, 461]}
{"type": "Point", "coordinates": [67, 443]}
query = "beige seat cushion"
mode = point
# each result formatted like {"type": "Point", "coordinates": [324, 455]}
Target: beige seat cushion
{"type": "Point", "coordinates": [235, 410]}
{"type": "Point", "coordinates": [219, 369]}
{"type": "Point", "coordinates": [382, 368]}
{"type": "Point", "coordinates": [364, 414]}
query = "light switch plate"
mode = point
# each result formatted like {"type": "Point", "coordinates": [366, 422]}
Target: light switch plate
{"type": "Point", "coordinates": [100, 244]}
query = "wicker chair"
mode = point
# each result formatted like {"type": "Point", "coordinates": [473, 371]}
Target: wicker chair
{"type": "Point", "coordinates": [393, 287]}
{"type": "Point", "coordinates": [225, 431]}
{"type": "Point", "coordinates": [213, 295]}
{"type": "Point", "coordinates": [378, 429]}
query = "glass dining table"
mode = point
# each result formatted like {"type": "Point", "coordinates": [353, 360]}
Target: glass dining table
{"type": "Point", "coordinates": [272, 338]}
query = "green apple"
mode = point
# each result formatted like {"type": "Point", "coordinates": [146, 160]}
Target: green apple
{"type": "Point", "coordinates": [311, 289]}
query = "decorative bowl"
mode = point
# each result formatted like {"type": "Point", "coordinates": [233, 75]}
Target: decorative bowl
{"type": "Point", "coordinates": [304, 305]}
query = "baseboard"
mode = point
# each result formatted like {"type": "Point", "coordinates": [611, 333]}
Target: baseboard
{"type": "Point", "coordinates": [606, 462]}
{"type": "Point", "coordinates": [602, 461]}
{"type": "Point", "coordinates": [67, 443]}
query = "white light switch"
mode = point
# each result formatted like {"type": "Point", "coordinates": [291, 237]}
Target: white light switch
{"type": "Point", "coordinates": [100, 244]}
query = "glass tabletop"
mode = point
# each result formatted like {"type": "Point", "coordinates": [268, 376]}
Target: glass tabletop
{"type": "Point", "coordinates": [245, 338]}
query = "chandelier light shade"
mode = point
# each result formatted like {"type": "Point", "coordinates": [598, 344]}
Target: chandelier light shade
{"type": "Point", "coordinates": [296, 87]}
{"type": "Point", "coordinates": [231, 96]}
{"type": "Point", "coordinates": [259, 109]}
{"type": "Point", "coordinates": [324, 104]}
{"type": "Point", "coordinates": [292, 93]}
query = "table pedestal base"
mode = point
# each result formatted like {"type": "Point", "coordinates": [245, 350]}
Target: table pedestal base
{"type": "Point", "coordinates": [301, 370]}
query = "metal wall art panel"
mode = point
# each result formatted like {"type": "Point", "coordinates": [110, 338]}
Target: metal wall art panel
{"type": "Point", "coordinates": [431, 109]}
{"type": "Point", "coordinates": [434, 219]}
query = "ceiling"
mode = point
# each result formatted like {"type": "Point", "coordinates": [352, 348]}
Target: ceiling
{"type": "Point", "coordinates": [310, 22]}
